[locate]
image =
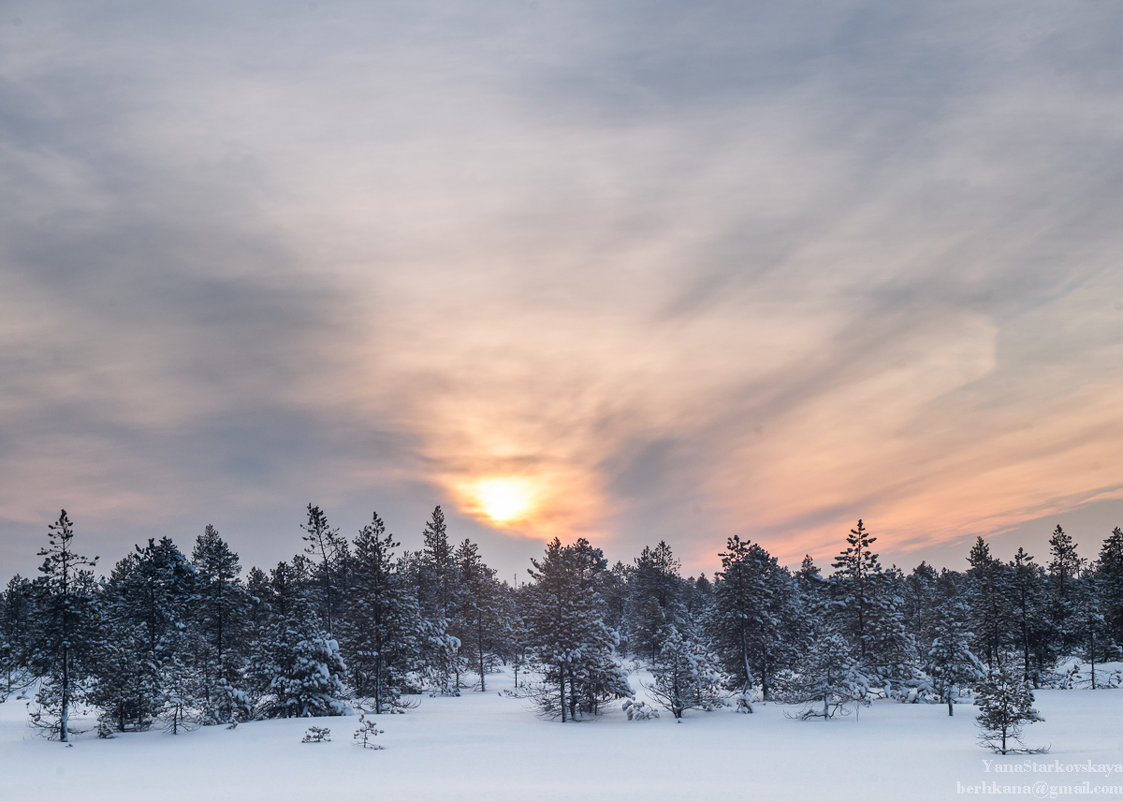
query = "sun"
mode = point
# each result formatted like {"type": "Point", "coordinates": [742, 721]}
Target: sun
{"type": "Point", "coordinates": [503, 499]}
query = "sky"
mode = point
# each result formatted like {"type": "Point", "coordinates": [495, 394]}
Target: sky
{"type": "Point", "coordinates": [633, 271]}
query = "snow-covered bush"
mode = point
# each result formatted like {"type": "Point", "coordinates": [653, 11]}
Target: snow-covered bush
{"type": "Point", "coordinates": [638, 710]}
{"type": "Point", "coordinates": [317, 734]}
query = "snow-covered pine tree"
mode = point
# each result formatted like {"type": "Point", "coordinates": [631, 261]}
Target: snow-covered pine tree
{"type": "Point", "coordinates": [1025, 590]}
{"type": "Point", "coordinates": [1109, 582]}
{"type": "Point", "coordinates": [219, 624]}
{"type": "Point", "coordinates": [855, 571]}
{"type": "Point", "coordinates": [516, 633]}
{"type": "Point", "coordinates": [1090, 622]}
{"type": "Point", "coordinates": [1005, 703]}
{"type": "Point", "coordinates": [826, 677]}
{"type": "Point", "coordinates": [437, 596]}
{"type": "Point", "coordinates": [868, 604]}
{"type": "Point", "coordinates": [990, 602]}
{"type": "Point", "coordinates": [891, 653]}
{"type": "Point", "coordinates": [698, 597]}
{"type": "Point", "coordinates": [949, 660]}
{"type": "Point", "coordinates": [686, 675]}
{"type": "Point", "coordinates": [381, 623]}
{"type": "Point", "coordinates": [613, 587]}
{"type": "Point", "coordinates": [1062, 579]}
{"type": "Point", "coordinates": [311, 686]}
{"type": "Point", "coordinates": [17, 616]}
{"type": "Point", "coordinates": [146, 670]}
{"type": "Point", "coordinates": [123, 685]}
{"type": "Point", "coordinates": [64, 634]}
{"type": "Point", "coordinates": [919, 608]}
{"type": "Point", "coordinates": [652, 601]}
{"type": "Point", "coordinates": [568, 635]}
{"type": "Point", "coordinates": [478, 619]}
{"type": "Point", "coordinates": [752, 618]}
{"type": "Point", "coordinates": [299, 665]}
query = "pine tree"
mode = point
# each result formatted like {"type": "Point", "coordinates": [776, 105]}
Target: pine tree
{"type": "Point", "coordinates": [752, 616]}
{"type": "Point", "coordinates": [1025, 589]}
{"type": "Point", "coordinates": [990, 601]}
{"type": "Point", "coordinates": [919, 606]}
{"type": "Point", "coordinates": [654, 588]}
{"type": "Point", "coordinates": [437, 597]}
{"type": "Point", "coordinates": [856, 569]}
{"type": "Point", "coordinates": [17, 618]}
{"type": "Point", "coordinates": [328, 551]}
{"type": "Point", "coordinates": [1109, 583]}
{"type": "Point", "coordinates": [1090, 623]}
{"type": "Point", "coordinates": [1062, 579]}
{"type": "Point", "coordinates": [365, 734]}
{"type": "Point", "coordinates": [295, 662]}
{"type": "Point", "coordinates": [567, 632]}
{"type": "Point", "coordinates": [826, 676]}
{"type": "Point", "coordinates": [219, 620]}
{"type": "Point", "coordinates": [891, 652]}
{"type": "Point", "coordinates": [478, 617]}
{"type": "Point", "coordinates": [1005, 704]}
{"type": "Point", "coordinates": [949, 660]}
{"type": "Point", "coordinates": [686, 675]}
{"type": "Point", "coordinates": [381, 625]}
{"type": "Point", "coordinates": [63, 632]}
{"type": "Point", "coordinates": [310, 687]}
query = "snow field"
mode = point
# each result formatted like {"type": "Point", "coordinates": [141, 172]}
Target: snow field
{"type": "Point", "coordinates": [495, 747]}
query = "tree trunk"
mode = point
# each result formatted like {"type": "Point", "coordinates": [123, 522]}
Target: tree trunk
{"type": "Point", "coordinates": [1092, 655]}
{"type": "Point", "coordinates": [561, 687]}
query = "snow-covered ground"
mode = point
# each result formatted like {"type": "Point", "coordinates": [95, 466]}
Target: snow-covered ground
{"type": "Point", "coordinates": [492, 746]}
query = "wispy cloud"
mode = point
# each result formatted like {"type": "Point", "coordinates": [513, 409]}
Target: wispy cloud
{"type": "Point", "coordinates": [688, 270]}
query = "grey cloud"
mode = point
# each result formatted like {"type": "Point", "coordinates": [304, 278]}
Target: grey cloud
{"type": "Point", "coordinates": [905, 164]}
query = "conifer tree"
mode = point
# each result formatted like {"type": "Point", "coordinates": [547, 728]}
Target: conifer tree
{"type": "Point", "coordinates": [990, 610]}
{"type": "Point", "coordinates": [752, 617]}
{"type": "Point", "coordinates": [567, 632]}
{"type": "Point", "coordinates": [478, 618]}
{"type": "Point", "coordinates": [826, 676]}
{"type": "Point", "coordinates": [17, 617]}
{"type": "Point", "coordinates": [1005, 704]}
{"type": "Point", "coordinates": [381, 625]}
{"type": "Point", "coordinates": [296, 663]}
{"type": "Point", "coordinates": [1026, 583]}
{"type": "Point", "coordinates": [949, 660]}
{"type": "Point", "coordinates": [652, 607]}
{"type": "Point", "coordinates": [63, 633]}
{"type": "Point", "coordinates": [919, 608]}
{"type": "Point", "coordinates": [1063, 591]}
{"type": "Point", "coordinates": [437, 596]}
{"type": "Point", "coordinates": [219, 618]}
{"type": "Point", "coordinates": [856, 570]}
{"type": "Point", "coordinates": [328, 551]}
{"type": "Point", "coordinates": [686, 675]}
{"type": "Point", "coordinates": [1109, 583]}
{"type": "Point", "coordinates": [145, 669]}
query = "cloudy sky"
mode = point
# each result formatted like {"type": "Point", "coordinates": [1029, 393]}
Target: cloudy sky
{"type": "Point", "coordinates": [626, 270]}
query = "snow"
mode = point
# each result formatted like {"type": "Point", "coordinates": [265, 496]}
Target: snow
{"type": "Point", "coordinates": [494, 746]}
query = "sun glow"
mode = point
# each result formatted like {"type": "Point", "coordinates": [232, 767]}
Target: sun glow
{"type": "Point", "coordinates": [504, 500]}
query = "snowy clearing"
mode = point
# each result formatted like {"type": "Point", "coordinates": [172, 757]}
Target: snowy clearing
{"type": "Point", "coordinates": [495, 746]}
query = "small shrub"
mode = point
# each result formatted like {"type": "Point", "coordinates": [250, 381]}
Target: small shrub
{"type": "Point", "coordinates": [317, 734]}
{"type": "Point", "coordinates": [638, 710]}
{"type": "Point", "coordinates": [365, 734]}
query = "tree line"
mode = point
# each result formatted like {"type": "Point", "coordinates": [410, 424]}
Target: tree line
{"type": "Point", "coordinates": [176, 639]}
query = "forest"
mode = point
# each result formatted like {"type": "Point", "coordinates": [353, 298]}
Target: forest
{"type": "Point", "coordinates": [180, 640]}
